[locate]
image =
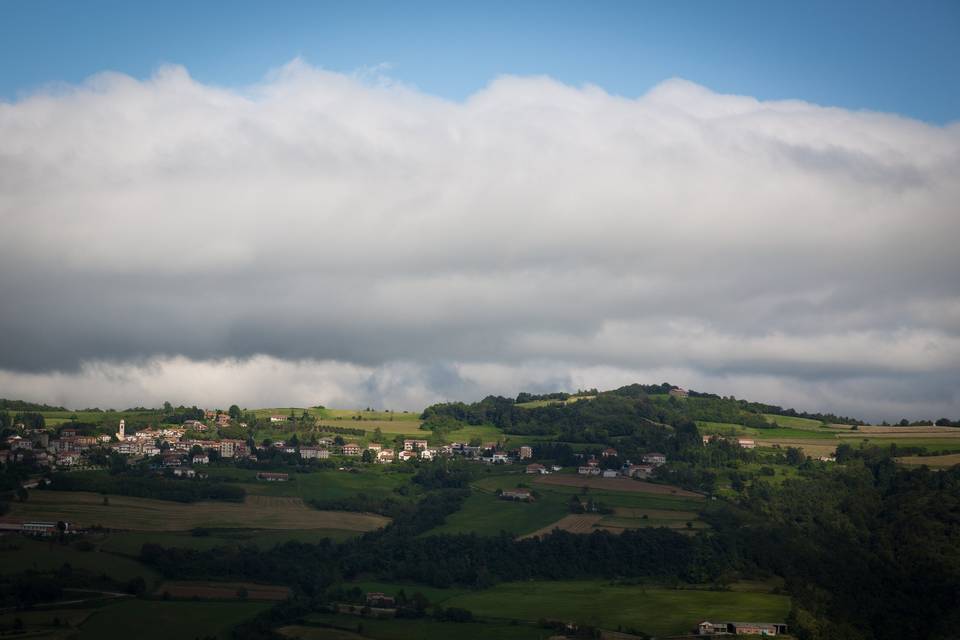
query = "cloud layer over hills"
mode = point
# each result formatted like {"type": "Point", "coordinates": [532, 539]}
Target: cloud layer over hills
{"type": "Point", "coordinates": [325, 238]}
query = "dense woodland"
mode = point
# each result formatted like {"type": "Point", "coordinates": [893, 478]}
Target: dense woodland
{"type": "Point", "coordinates": [609, 414]}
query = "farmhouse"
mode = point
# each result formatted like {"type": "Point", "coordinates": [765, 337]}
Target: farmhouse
{"type": "Point", "coordinates": [351, 449]}
{"type": "Point", "coordinates": [526, 452]}
{"type": "Point", "coordinates": [277, 418]}
{"type": "Point", "coordinates": [677, 392]}
{"type": "Point", "coordinates": [409, 445]}
{"type": "Point", "coordinates": [406, 455]}
{"type": "Point", "coordinates": [194, 425]}
{"type": "Point", "coordinates": [522, 495]}
{"type": "Point", "coordinates": [272, 477]}
{"type": "Point", "coordinates": [536, 469]}
{"type": "Point", "coordinates": [426, 454]}
{"type": "Point", "coordinates": [43, 528]}
{"type": "Point", "coordinates": [374, 446]}
{"type": "Point", "coordinates": [609, 452]}
{"type": "Point", "coordinates": [385, 456]}
{"type": "Point", "coordinates": [746, 443]}
{"type": "Point", "coordinates": [654, 458]}
{"type": "Point", "coordinates": [378, 599]}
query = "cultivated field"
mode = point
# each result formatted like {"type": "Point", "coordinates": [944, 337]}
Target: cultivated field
{"type": "Point", "coordinates": [222, 590]}
{"type": "Point", "coordinates": [261, 512]}
{"type": "Point", "coordinates": [942, 462]}
{"type": "Point", "coordinates": [614, 484]}
{"type": "Point", "coordinates": [573, 523]}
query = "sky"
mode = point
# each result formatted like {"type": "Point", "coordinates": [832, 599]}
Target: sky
{"type": "Point", "coordinates": [389, 205]}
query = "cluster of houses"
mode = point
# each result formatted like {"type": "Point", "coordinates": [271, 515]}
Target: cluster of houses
{"type": "Point", "coordinates": [707, 628]}
{"type": "Point", "coordinates": [176, 449]}
{"type": "Point", "coordinates": [650, 461]}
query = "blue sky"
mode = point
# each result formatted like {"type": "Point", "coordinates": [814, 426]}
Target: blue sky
{"type": "Point", "coordinates": [885, 56]}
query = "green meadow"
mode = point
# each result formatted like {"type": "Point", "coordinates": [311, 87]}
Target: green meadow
{"type": "Point", "coordinates": [653, 610]}
{"type": "Point", "coordinates": [163, 620]}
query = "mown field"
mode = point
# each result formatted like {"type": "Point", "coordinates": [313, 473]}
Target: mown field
{"type": "Point", "coordinates": [654, 610]}
{"type": "Point", "coordinates": [256, 512]}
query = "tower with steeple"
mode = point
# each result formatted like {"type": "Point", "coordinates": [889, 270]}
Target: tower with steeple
{"type": "Point", "coordinates": [120, 434]}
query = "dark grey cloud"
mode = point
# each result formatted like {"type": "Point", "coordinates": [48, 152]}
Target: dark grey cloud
{"type": "Point", "coordinates": [415, 249]}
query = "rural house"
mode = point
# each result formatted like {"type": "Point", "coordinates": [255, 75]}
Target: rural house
{"type": "Point", "coordinates": [654, 458]}
{"type": "Point", "coordinates": [351, 449]}
{"type": "Point", "coordinates": [270, 476]}
{"type": "Point", "coordinates": [409, 445]}
{"type": "Point", "coordinates": [526, 452]}
{"type": "Point", "coordinates": [522, 495]}
{"type": "Point", "coordinates": [536, 469]}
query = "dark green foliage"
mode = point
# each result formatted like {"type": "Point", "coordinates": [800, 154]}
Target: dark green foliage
{"type": "Point", "coordinates": [158, 488]}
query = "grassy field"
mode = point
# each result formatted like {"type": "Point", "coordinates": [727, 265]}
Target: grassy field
{"type": "Point", "coordinates": [29, 554]}
{"type": "Point", "coordinates": [793, 422]}
{"type": "Point", "coordinates": [433, 594]}
{"type": "Point", "coordinates": [49, 624]}
{"type": "Point", "coordinates": [650, 609]}
{"type": "Point", "coordinates": [163, 620]}
{"type": "Point", "coordinates": [533, 404]}
{"type": "Point", "coordinates": [327, 484]}
{"type": "Point", "coordinates": [619, 484]}
{"type": "Point", "coordinates": [422, 629]}
{"type": "Point", "coordinates": [143, 514]}
{"type": "Point", "coordinates": [485, 514]}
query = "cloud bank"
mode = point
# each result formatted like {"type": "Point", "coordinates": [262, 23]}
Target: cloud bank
{"type": "Point", "coordinates": [324, 238]}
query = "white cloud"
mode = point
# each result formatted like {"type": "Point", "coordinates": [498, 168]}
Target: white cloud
{"type": "Point", "coordinates": [555, 234]}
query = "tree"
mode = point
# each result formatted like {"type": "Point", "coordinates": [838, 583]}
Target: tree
{"type": "Point", "coordinates": [22, 494]}
{"type": "Point", "coordinates": [234, 412]}
{"type": "Point", "coordinates": [242, 593]}
{"type": "Point", "coordinates": [367, 455]}
{"type": "Point", "coordinates": [167, 407]}
{"type": "Point", "coordinates": [377, 435]}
